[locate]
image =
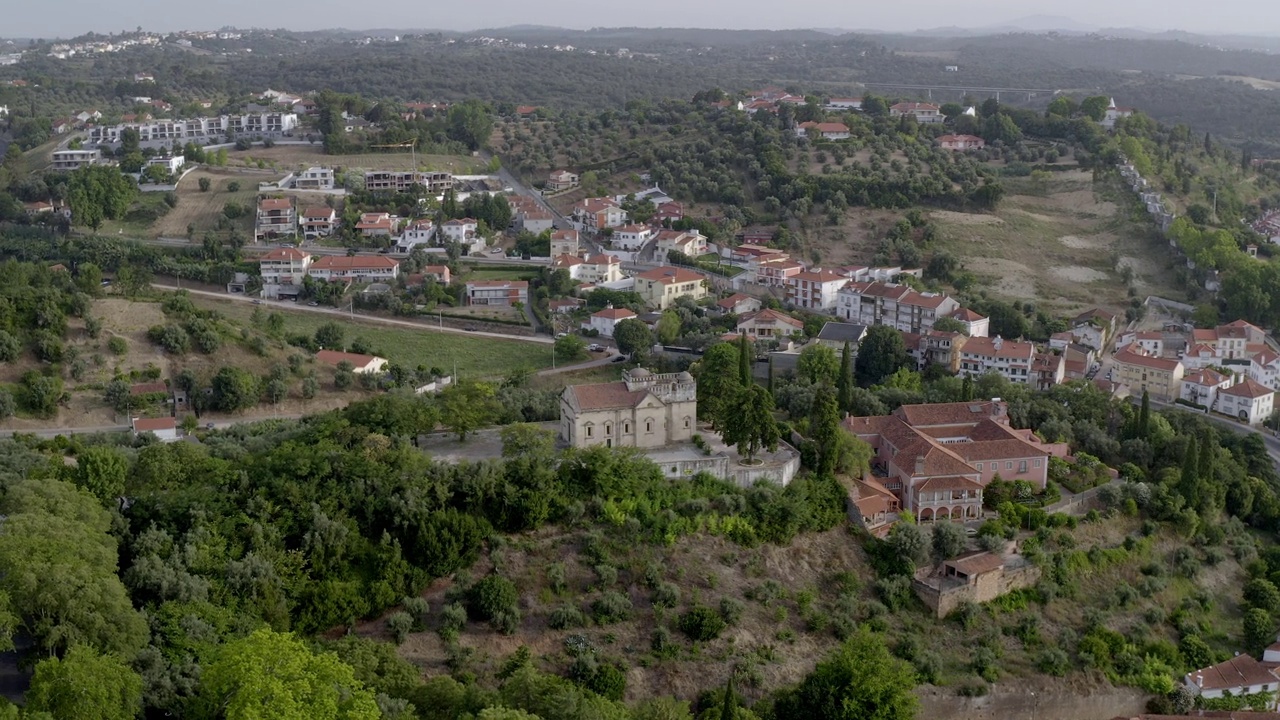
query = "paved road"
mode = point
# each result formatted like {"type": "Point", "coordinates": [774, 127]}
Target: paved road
{"type": "Point", "coordinates": [217, 424]}
{"type": "Point", "coordinates": [278, 305]}
{"type": "Point", "coordinates": [1268, 438]}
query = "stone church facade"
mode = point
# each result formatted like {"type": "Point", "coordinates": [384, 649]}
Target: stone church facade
{"type": "Point", "coordinates": [643, 410]}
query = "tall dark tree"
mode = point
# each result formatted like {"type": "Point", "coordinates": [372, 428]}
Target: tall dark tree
{"type": "Point", "coordinates": [1188, 483]}
{"type": "Point", "coordinates": [744, 360]}
{"type": "Point", "coordinates": [1144, 416]}
{"type": "Point", "coordinates": [844, 382]}
{"type": "Point", "coordinates": [880, 354]}
{"type": "Point", "coordinates": [749, 422]}
{"type": "Point", "coordinates": [770, 374]}
{"type": "Point", "coordinates": [729, 708]}
{"type": "Point", "coordinates": [824, 429]}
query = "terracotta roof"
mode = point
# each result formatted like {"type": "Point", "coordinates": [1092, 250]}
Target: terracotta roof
{"type": "Point", "coordinates": [154, 424]}
{"type": "Point", "coordinates": [513, 284]}
{"type": "Point", "coordinates": [876, 288]}
{"type": "Point", "coordinates": [564, 234]}
{"type": "Point", "coordinates": [284, 254]}
{"type": "Point", "coordinates": [826, 127]}
{"type": "Point", "coordinates": [1204, 336]}
{"type": "Point", "coordinates": [605, 395]}
{"type": "Point", "coordinates": [1205, 377]}
{"type": "Point", "coordinates": [614, 314]}
{"type": "Point", "coordinates": [461, 222]}
{"type": "Point", "coordinates": [148, 388]}
{"type": "Point", "coordinates": [926, 300]}
{"type": "Point", "coordinates": [949, 413]}
{"type": "Point", "coordinates": [633, 228]}
{"type": "Point", "coordinates": [977, 563]}
{"type": "Point", "coordinates": [869, 425]}
{"type": "Point", "coordinates": [1266, 357]}
{"type": "Point", "coordinates": [948, 483]}
{"type": "Point", "coordinates": [1248, 388]}
{"type": "Point", "coordinates": [732, 300]}
{"type": "Point", "coordinates": [1239, 672]}
{"type": "Point", "coordinates": [333, 357]}
{"type": "Point", "coordinates": [820, 276]}
{"type": "Point", "coordinates": [566, 261]}
{"type": "Point", "coordinates": [938, 460]}
{"type": "Point", "coordinates": [987, 347]}
{"type": "Point", "coordinates": [343, 262]}
{"type": "Point", "coordinates": [1095, 313]}
{"type": "Point", "coordinates": [1011, 449]}
{"type": "Point", "coordinates": [670, 275]}
{"type": "Point", "coordinates": [319, 213]}
{"type": "Point", "coordinates": [1129, 357]}
{"type": "Point", "coordinates": [966, 315]}
{"type": "Point", "coordinates": [275, 204]}
{"type": "Point", "coordinates": [770, 316]}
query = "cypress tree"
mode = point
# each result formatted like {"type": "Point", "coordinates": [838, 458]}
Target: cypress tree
{"type": "Point", "coordinates": [1206, 457]}
{"type": "Point", "coordinates": [966, 388]}
{"type": "Point", "coordinates": [844, 383]}
{"type": "Point", "coordinates": [770, 374]}
{"type": "Point", "coordinates": [1144, 416]}
{"type": "Point", "coordinates": [729, 709]}
{"type": "Point", "coordinates": [1190, 469]}
{"type": "Point", "coordinates": [744, 360]}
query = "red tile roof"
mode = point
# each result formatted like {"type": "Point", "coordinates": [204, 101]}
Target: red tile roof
{"type": "Point", "coordinates": [284, 254]}
{"type": "Point", "coordinates": [275, 204]}
{"type": "Point", "coordinates": [354, 262]}
{"type": "Point", "coordinates": [319, 213]}
{"type": "Point", "coordinates": [614, 314]}
{"type": "Point", "coordinates": [987, 347]}
{"type": "Point", "coordinates": [148, 388]}
{"type": "Point", "coordinates": [770, 316]}
{"type": "Point", "coordinates": [977, 563]}
{"type": "Point", "coordinates": [604, 396]}
{"type": "Point", "coordinates": [1240, 671]}
{"type": "Point", "coordinates": [1248, 388]}
{"type": "Point", "coordinates": [1129, 357]}
{"type": "Point", "coordinates": [670, 275]}
{"type": "Point", "coordinates": [154, 424]}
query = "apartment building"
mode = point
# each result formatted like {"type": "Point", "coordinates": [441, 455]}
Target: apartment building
{"type": "Point", "coordinates": [394, 181]}
{"type": "Point", "coordinates": [776, 270]}
{"type": "Point", "coordinates": [1161, 377]}
{"type": "Point", "coordinates": [815, 290]}
{"type": "Point", "coordinates": [690, 243]}
{"type": "Point", "coordinates": [75, 159]}
{"type": "Point", "coordinates": [497, 292]}
{"type": "Point", "coordinates": [314, 178]}
{"type": "Point", "coordinates": [276, 218]}
{"type": "Point", "coordinates": [355, 268]}
{"type": "Point", "coordinates": [596, 214]}
{"type": "Point", "coordinates": [564, 242]}
{"type": "Point", "coordinates": [198, 129]}
{"type": "Point", "coordinates": [630, 237]}
{"type": "Point", "coordinates": [1009, 358]}
{"type": "Point", "coordinates": [590, 268]}
{"type": "Point", "coordinates": [879, 303]}
{"type": "Point", "coordinates": [284, 266]}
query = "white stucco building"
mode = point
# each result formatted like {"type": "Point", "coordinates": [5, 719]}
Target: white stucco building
{"type": "Point", "coordinates": [642, 410]}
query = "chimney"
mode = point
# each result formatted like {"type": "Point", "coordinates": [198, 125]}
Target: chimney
{"type": "Point", "coordinates": [1199, 680]}
{"type": "Point", "coordinates": [997, 342]}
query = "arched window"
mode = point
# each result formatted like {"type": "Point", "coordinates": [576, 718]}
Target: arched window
{"type": "Point", "coordinates": [608, 429]}
{"type": "Point", "coordinates": [590, 430]}
{"type": "Point", "coordinates": [686, 422]}
{"type": "Point", "coordinates": [626, 428]}
{"type": "Point", "coordinates": [648, 426]}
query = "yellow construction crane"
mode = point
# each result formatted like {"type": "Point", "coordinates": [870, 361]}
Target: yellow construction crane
{"type": "Point", "coordinates": [413, 149]}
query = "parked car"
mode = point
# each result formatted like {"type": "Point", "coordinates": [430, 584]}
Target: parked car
{"type": "Point", "coordinates": [620, 358]}
{"type": "Point", "coordinates": [595, 348]}
{"type": "Point", "coordinates": [470, 328]}
{"type": "Point", "coordinates": [257, 302]}
{"type": "Point", "coordinates": [313, 303]}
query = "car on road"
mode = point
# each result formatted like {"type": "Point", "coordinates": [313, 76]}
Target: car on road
{"type": "Point", "coordinates": [257, 302]}
{"type": "Point", "coordinates": [562, 334]}
{"type": "Point", "coordinates": [595, 348]}
{"type": "Point", "coordinates": [313, 303]}
{"type": "Point", "coordinates": [470, 328]}
{"type": "Point", "coordinates": [208, 426]}
{"type": "Point", "coordinates": [620, 358]}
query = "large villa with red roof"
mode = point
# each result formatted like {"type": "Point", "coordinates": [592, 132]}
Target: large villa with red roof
{"type": "Point", "coordinates": [936, 459]}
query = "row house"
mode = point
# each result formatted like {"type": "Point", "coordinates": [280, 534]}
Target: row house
{"type": "Point", "coordinates": [815, 290]}
{"type": "Point", "coordinates": [661, 287]}
{"type": "Point", "coordinates": [355, 268]}
{"type": "Point", "coordinates": [275, 218]}
{"type": "Point", "coordinates": [1095, 328]}
{"type": "Point", "coordinates": [1231, 341]}
{"type": "Point", "coordinates": [877, 303]}
{"type": "Point", "coordinates": [938, 458]}
{"type": "Point", "coordinates": [318, 222]}
{"type": "Point", "coordinates": [504, 293]}
{"type": "Point", "coordinates": [400, 182]}
{"type": "Point", "coordinates": [314, 178]}
{"type": "Point", "coordinates": [631, 237]}
{"type": "Point", "coordinates": [564, 242]}
{"type": "Point", "coordinates": [596, 214]}
{"type": "Point", "coordinates": [690, 242]}
{"type": "Point", "coordinates": [418, 232]}
{"type": "Point", "coordinates": [604, 321]}
{"type": "Point", "coordinates": [377, 225]}
{"type": "Point", "coordinates": [768, 325]}
{"type": "Point", "coordinates": [777, 270]}
{"type": "Point", "coordinates": [1149, 342]}
{"type": "Point", "coordinates": [1009, 358]}
{"type": "Point", "coordinates": [1161, 377]}
{"type": "Point", "coordinates": [1047, 370]}
{"type": "Point", "coordinates": [590, 268]}
{"type": "Point", "coordinates": [924, 113]}
{"type": "Point", "coordinates": [198, 129]}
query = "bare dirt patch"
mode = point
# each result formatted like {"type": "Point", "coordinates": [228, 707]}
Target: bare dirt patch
{"type": "Point", "coordinates": [1007, 277]}
{"type": "Point", "coordinates": [960, 218]}
{"type": "Point", "coordinates": [1079, 243]}
{"type": "Point", "coordinates": [203, 209]}
{"type": "Point", "coordinates": [1078, 274]}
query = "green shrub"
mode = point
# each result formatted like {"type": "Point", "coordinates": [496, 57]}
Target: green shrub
{"type": "Point", "coordinates": [611, 607]}
{"type": "Point", "coordinates": [399, 624]}
{"type": "Point", "coordinates": [701, 624]}
{"type": "Point", "coordinates": [731, 610]}
{"type": "Point", "coordinates": [666, 595]}
{"type": "Point", "coordinates": [453, 618]}
{"type": "Point", "coordinates": [418, 609]}
{"type": "Point", "coordinates": [565, 616]}
{"type": "Point", "coordinates": [491, 597]}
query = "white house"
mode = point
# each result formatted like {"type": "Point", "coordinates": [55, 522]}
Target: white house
{"type": "Point", "coordinates": [564, 242]}
{"type": "Point", "coordinates": [1201, 387]}
{"type": "Point", "coordinates": [596, 214]}
{"type": "Point", "coordinates": [497, 292]}
{"type": "Point", "coordinates": [460, 229]}
{"type": "Point", "coordinates": [974, 324]}
{"type": "Point", "coordinates": [75, 159]}
{"type": "Point", "coordinates": [314, 178]}
{"type": "Point", "coordinates": [588, 268]}
{"type": "Point", "coordinates": [1247, 400]}
{"type": "Point", "coordinates": [1009, 358]}
{"type": "Point", "coordinates": [318, 222]}
{"type": "Point", "coordinates": [171, 164]}
{"type": "Point", "coordinates": [561, 180]}
{"type": "Point", "coordinates": [826, 130]}
{"type": "Point", "coordinates": [164, 428]}
{"type": "Point", "coordinates": [768, 324]}
{"type": "Point", "coordinates": [691, 242]}
{"type": "Point", "coordinates": [607, 319]}
{"type": "Point", "coordinates": [360, 364]}
{"type": "Point", "coordinates": [418, 232]}
{"type": "Point", "coordinates": [1241, 675]}
{"type": "Point", "coordinates": [631, 237]}
{"type": "Point", "coordinates": [377, 224]}
{"type": "Point", "coordinates": [361, 268]}
{"type": "Point", "coordinates": [1264, 367]}
{"type": "Point", "coordinates": [284, 266]}
{"type": "Point", "coordinates": [926, 113]}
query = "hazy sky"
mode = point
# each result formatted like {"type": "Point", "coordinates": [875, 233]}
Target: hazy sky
{"type": "Point", "coordinates": [67, 18]}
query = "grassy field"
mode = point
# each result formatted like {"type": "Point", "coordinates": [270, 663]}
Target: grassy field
{"type": "Point", "coordinates": [1063, 246]}
{"type": "Point", "coordinates": [475, 357]}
